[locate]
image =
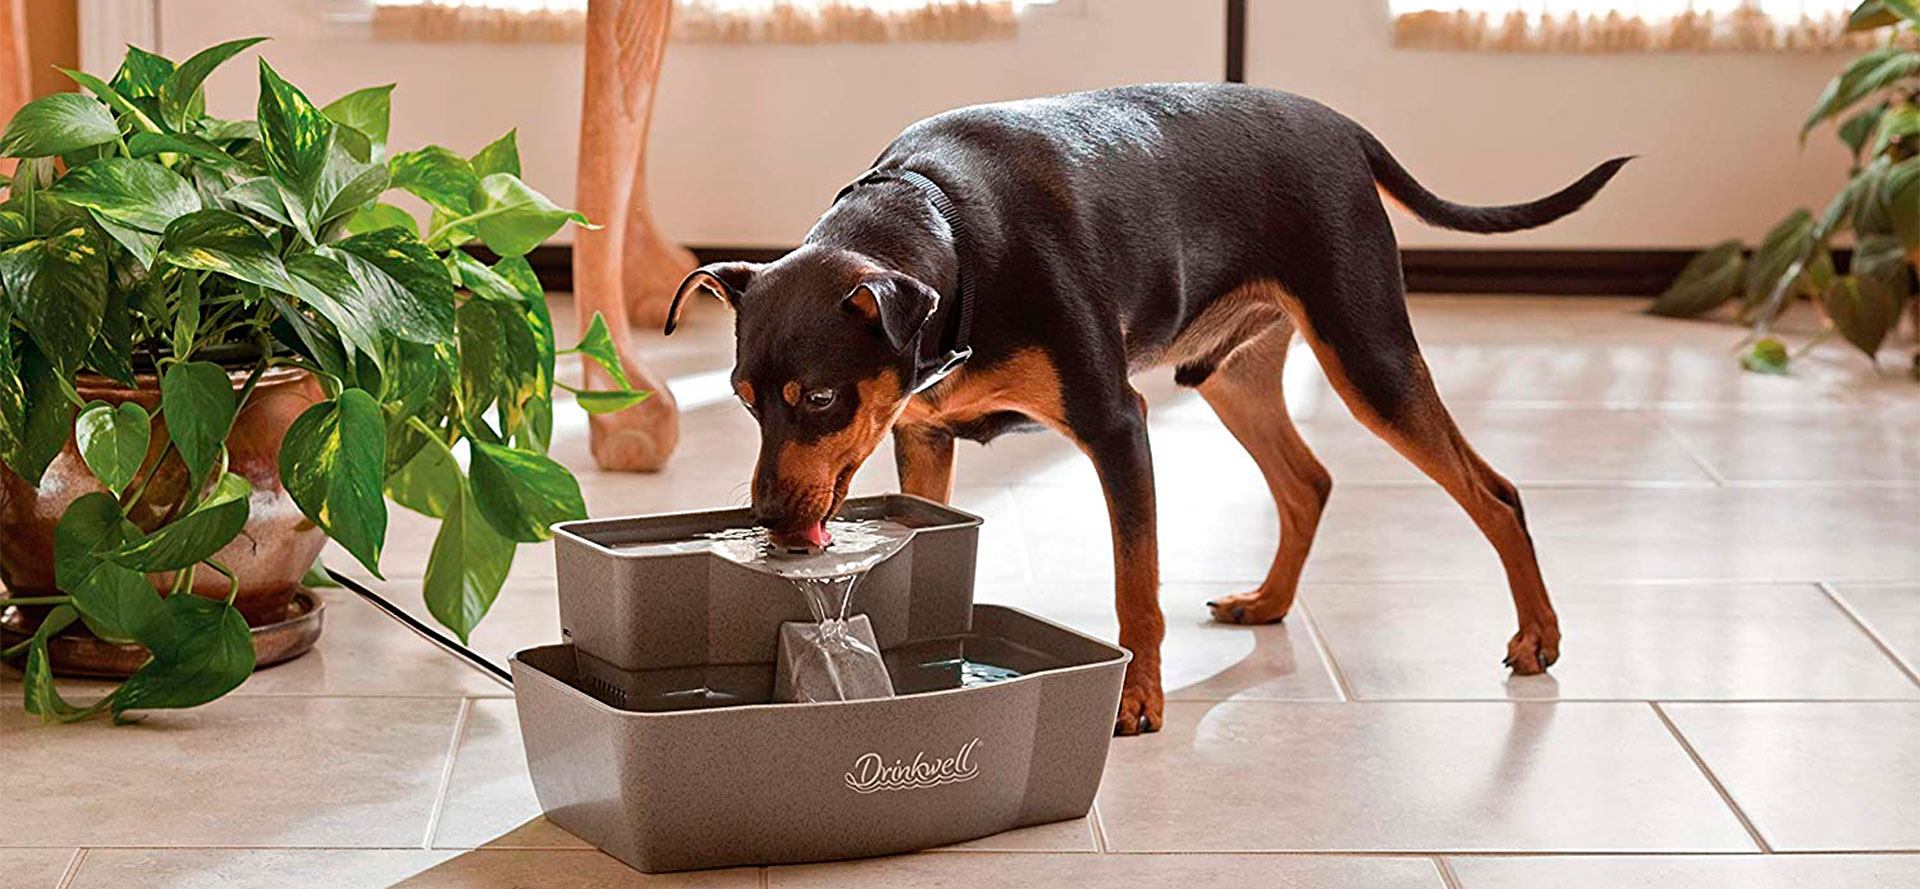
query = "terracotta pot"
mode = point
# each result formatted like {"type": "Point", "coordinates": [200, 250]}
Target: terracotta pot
{"type": "Point", "coordinates": [272, 552]}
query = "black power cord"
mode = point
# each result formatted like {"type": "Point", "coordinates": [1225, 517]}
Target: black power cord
{"type": "Point", "coordinates": [419, 627]}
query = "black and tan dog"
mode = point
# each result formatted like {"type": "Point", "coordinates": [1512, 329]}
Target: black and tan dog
{"type": "Point", "coordinates": [1067, 243]}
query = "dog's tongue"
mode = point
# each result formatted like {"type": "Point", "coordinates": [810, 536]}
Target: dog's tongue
{"type": "Point", "coordinates": [816, 535]}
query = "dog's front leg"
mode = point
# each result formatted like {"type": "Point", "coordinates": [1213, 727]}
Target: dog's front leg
{"type": "Point", "coordinates": [1125, 464]}
{"type": "Point", "coordinates": [924, 457]}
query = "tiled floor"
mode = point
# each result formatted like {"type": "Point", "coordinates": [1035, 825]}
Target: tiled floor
{"type": "Point", "coordinates": [1736, 561]}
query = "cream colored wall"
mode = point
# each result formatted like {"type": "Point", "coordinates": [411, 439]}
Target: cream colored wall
{"type": "Point", "coordinates": [750, 142]}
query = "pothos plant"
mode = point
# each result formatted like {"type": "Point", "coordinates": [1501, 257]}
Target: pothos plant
{"type": "Point", "coordinates": [142, 235]}
{"type": "Point", "coordinates": [1876, 100]}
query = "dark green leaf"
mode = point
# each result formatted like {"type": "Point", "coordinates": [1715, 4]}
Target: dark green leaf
{"type": "Point", "coordinates": [210, 654]}
{"type": "Point", "coordinates": [598, 343]}
{"type": "Point", "coordinates": [262, 196]}
{"type": "Point", "coordinates": [503, 156]}
{"type": "Point", "coordinates": [141, 74]}
{"type": "Point", "coordinates": [1781, 260]}
{"type": "Point", "coordinates": [40, 696]}
{"type": "Point", "coordinates": [1901, 188]}
{"type": "Point", "coordinates": [483, 375]}
{"type": "Point", "coordinates": [231, 131]}
{"type": "Point", "coordinates": [112, 353]}
{"type": "Point", "coordinates": [1895, 125]}
{"type": "Point", "coordinates": [46, 416]}
{"type": "Point", "coordinates": [381, 216]}
{"type": "Point", "coordinates": [468, 564]}
{"type": "Point", "coordinates": [1867, 74]}
{"type": "Point", "coordinates": [1866, 307]}
{"type": "Point", "coordinates": [444, 180]}
{"type": "Point", "coordinates": [299, 333]}
{"type": "Point", "coordinates": [429, 483]}
{"type": "Point", "coordinates": [119, 603]}
{"type": "Point", "coordinates": [195, 536]}
{"type": "Point", "coordinates": [149, 144]}
{"type": "Point", "coordinates": [198, 402]}
{"type": "Point", "coordinates": [113, 441]}
{"type": "Point", "coordinates": [57, 124]}
{"type": "Point", "coordinates": [345, 186]}
{"type": "Point", "coordinates": [483, 282]}
{"type": "Point", "coordinates": [136, 193]}
{"type": "Point", "coordinates": [331, 462]}
{"type": "Point", "coordinates": [120, 104]}
{"type": "Point", "coordinates": [186, 315]}
{"type": "Point", "coordinates": [143, 246]}
{"type": "Point", "coordinates": [58, 287]}
{"type": "Point", "coordinates": [224, 242]}
{"type": "Point", "coordinates": [512, 218]}
{"type": "Point", "coordinates": [177, 93]}
{"type": "Point", "coordinates": [1856, 130]}
{"type": "Point", "coordinates": [521, 493]}
{"type": "Point", "coordinates": [401, 284]}
{"type": "Point", "coordinates": [365, 113]}
{"type": "Point", "coordinates": [327, 287]}
{"type": "Point", "coordinates": [295, 136]}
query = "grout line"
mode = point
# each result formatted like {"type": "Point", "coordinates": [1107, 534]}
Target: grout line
{"type": "Point", "coordinates": [766, 876]}
{"type": "Point", "coordinates": [1325, 651]}
{"type": "Point", "coordinates": [1701, 764]}
{"type": "Point", "coordinates": [1861, 622]}
{"type": "Point", "coordinates": [73, 869]}
{"type": "Point", "coordinates": [1673, 436]}
{"type": "Point", "coordinates": [446, 773]}
{"type": "Point", "coordinates": [1446, 873]}
{"type": "Point", "coordinates": [1099, 829]}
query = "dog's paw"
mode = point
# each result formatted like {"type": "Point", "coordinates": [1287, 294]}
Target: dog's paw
{"type": "Point", "coordinates": [1141, 704]}
{"type": "Point", "coordinates": [1533, 650]}
{"type": "Point", "coordinates": [1257, 607]}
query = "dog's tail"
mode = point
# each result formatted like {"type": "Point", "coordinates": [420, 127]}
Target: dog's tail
{"type": "Point", "coordinates": [1437, 211]}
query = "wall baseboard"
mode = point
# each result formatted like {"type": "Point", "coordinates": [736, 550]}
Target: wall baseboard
{"type": "Point", "coordinates": [1549, 272]}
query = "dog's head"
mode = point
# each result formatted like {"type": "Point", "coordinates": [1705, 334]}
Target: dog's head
{"type": "Point", "coordinates": [824, 356]}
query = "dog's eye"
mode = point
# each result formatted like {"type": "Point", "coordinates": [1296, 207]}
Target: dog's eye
{"type": "Point", "coordinates": [818, 399]}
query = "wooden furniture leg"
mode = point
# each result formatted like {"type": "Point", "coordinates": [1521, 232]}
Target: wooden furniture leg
{"type": "Point", "coordinates": [625, 42]}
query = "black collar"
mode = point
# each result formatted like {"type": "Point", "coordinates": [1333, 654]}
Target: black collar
{"type": "Point", "coordinates": [953, 349]}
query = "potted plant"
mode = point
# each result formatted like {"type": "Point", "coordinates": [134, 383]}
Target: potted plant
{"type": "Point", "coordinates": [1880, 204]}
{"type": "Point", "coordinates": [219, 349]}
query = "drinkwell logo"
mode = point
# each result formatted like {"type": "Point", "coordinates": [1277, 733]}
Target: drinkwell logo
{"type": "Point", "coordinates": [872, 774]}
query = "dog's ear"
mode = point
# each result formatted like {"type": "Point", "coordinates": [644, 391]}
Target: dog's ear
{"type": "Point", "coordinates": [897, 305]}
{"type": "Point", "coordinates": [726, 280]}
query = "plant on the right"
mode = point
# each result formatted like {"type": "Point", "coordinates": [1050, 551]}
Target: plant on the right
{"type": "Point", "coordinates": [1876, 102]}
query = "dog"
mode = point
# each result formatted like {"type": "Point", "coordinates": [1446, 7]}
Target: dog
{"type": "Point", "coordinates": [1009, 266]}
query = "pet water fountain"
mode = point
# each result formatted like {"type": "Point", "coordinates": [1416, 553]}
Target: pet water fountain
{"type": "Point", "coordinates": [701, 711]}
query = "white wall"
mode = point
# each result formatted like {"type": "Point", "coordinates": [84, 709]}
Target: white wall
{"type": "Point", "coordinates": [750, 142]}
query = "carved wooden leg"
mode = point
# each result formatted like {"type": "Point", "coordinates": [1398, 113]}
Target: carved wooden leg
{"type": "Point", "coordinates": [624, 43]}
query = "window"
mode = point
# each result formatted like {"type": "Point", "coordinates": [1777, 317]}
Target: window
{"type": "Point", "coordinates": [716, 21]}
{"type": "Point", "coordinates": [1625, 25]}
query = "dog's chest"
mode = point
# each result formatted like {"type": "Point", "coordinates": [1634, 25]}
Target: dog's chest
{"type": "Point", "coordinates": [978, 403]}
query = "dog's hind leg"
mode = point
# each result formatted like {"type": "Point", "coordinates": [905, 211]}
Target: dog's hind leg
{"type": "Point", "coordinates": [1245, 391]}
{"type": "Point", "coordinates": [1355, 318]}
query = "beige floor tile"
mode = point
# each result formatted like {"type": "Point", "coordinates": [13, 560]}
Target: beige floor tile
{"type": "Point", "coordinates": [364, 652]}
{"type": "Point", "coordinates": [35, 868]}
{"type": "Point", "coordinates": [938, 870]}
{"type": "Point", "coordinates": [242, 771]}
{"type": "Point", "coordinates": [1411, 777]}
{"type": "Point", "coordinates": [1689, 872]}
{"type": "Point", "coordinates": [1582, 535]}
{"type": "Point", "coordinates": [1075, 835]}
{"type": "Point", "coordinates": [1638, 641]}
{"type": "Point", "coordinates": [1893, 614]}
{"type": "Point", "coordinates": [1815, 777]}
{"type": "Point", "coordinates": [1833, 444]}
{"type": "Point", "coordinates": [1201, 660]}
{"type": "Point", "coordinates": [385, 869]}
{"type": "Point", "coordinates": [489, 798]}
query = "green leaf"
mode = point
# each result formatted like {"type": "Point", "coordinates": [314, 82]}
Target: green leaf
{"type": "Point", "coordinates": [112, 352]}
{"type": "Point", "coordinates": [46, 416]}
{"type": "Point", "coordinates": [401, 284]}
{"type": "Point", "coordinates": [1865, 308]}
{"type": "Point", "coordinates": [1768, 356]}
{"type": "Point", "coordinates": [193, 537]}
{"type": "Point", "coordinates": [483, 373]}
{"type": "Point", "coordinates": [1901, 188]}
{"type": "Point", "coordinates": [1867, 74]}
{"type": "Point", "coordinates": [468, 564]}
{"type": "Point", "coordinates": [198, 402]}
{"type": "Point", "coordinates": [381, 216]}
{"type": "Point", "coordinates": [40, 696]}
{"type": "Point", "coordinates": [262, 196]}
{"type": "Point", "coordinates": [345, 186]}
{"type": "Point", "coordinates": [365, 113]}
{"type": "Point", "coordinates": [1905, 9]}
{"type": "Point", "coordinates": [294, 134]}
{"type": "Point", "coordinates": [150, 144]}
{"type": "Point", "coordinates": [1856, 130]}
{"type": "Point", "coordinates": [141, 74]}
{"type": "Point", "coordinates": [429, 483]}
{"type": "Point", "coordinates": [58, 287]}
{"type": "Point", "coordinates": [481, 281]}
{"type": "Point", "coordinates": [224, 242]}
{"type": "Point", "coordinates": [317, 577]}
{"type": "Point", "coordinates": [1870, 15]}
{"type": "Point", "coordinates": [1786, 251]}
{"type": "Point", "coordinates": [595, 402]}
{"type": "Point", "coordinates": [521, 493]}
{"type": "Point", "coordinates": [113, 441]}
{"type": "Point", "coordinates": [186, 315]}
{"type": "Point", "coordinates": [137, 193]}
{"type": "Point", "coordinates": [143, 245]}
{"type": "Point", "coordinates": [512, 218]}
{"type": "Point", "coordinates": [119, 603]}
{"type": "Point", "coordinates": [331, 462]}
{"type": "Point", "coordinates": [444, 180]}
{"type": "Point", "coordinates": [57, 124]}
{"type": "Point", "coordinates": [210, 654]}
{"type": "Point", "coordinates": [502, 156]}
{"type": "Point", "coordinates": [106, 93]}
{"type": "Point", "coordinates": [329, 289]}
{"type": "Point", "coordinates": [1896, 125]}
{"type": "Point", "coordinates": [178, 91]}
{"type": "Point", "coordinates": [598, 343]}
